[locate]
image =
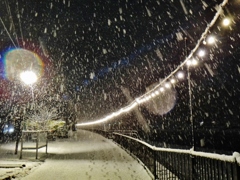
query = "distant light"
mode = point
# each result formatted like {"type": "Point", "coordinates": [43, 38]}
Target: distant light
{"type": "Point", "coordinates": [211, 40]}
{"type": "Point", "coordinates": [226, 21]}
{"type": "Point", "coordinates": [8, 129]}
{"type": "Point", "coordinates": [180, 75]}
{"type": "Point", "coordinates": [192, 62]}
{"type": "Point", "coordinates": [161, 89]}
{"type": "Point", "coordinates": [189, 62]}
{"type": "Point", "coordinates": [201, 53]}
{"type": "Point", "coordinates": [173, 81]}
{"type": "Point", "coordinates": [11, 130]}
{"type": "Point", "coordinates": [153, 94]}
{"type": "Point", "coordinates": [167, 85]}
{"type": "Point", "coordinates": [138, 100]}
{"type": "Point", "coordinates": [28, 77]}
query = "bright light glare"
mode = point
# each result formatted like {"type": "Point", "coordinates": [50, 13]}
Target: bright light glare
{"type": "Point", "coordinates": [153, 94]}
{"type": "Point", "coordinates": [28, 77]}
{"type": "Point", "coordinates": [173, 81]}
{"type": "Point", "coordinates": [180, 75]}
{"type": "Point", "coordinates": [161, 89]}
{"type": "Point", "coordinates": [167, 85]}
{"type": "Point", "coordinates": [226, 21]}
{"type": "Point", "coordinates": [211, 40]}
{"type": "Point", "coordinates": [201, 53]}
{"type": "Point", "coordinates": [192, 62]}
{"type": "Point", "coordinates": [114, 114]}
{"type": "Point", "coordinates": [139, 101]}
{"type": "Point", "coordinates": [11, 130]}
{"type": "Point", "coordinates": [189, 63]}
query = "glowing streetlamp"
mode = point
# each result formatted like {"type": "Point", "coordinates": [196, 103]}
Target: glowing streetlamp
{"type": "Point", "coordinates": [29, 78]}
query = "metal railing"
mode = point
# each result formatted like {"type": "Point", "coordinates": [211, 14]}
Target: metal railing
{"type": "Point", "coordinates": [165, 163]}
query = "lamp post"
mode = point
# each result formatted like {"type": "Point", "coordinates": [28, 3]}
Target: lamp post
{"type": "Point", "coordinates": [29, 78]}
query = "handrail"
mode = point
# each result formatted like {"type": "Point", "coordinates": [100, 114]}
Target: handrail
{"type": "Point", "coordinates": [165, 163]}
{"type": "Point", "coordinates": [222, 157]}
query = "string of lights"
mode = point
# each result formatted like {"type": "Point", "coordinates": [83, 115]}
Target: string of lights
{"type": "Point", "coordinates": [176, 75]}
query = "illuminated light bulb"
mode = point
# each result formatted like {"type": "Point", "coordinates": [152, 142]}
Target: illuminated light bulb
{"type": "Point", "coordinates": [153, 94]}
{"type": "Point", "coordinates": [194, 62]}
{"type": "Point", "coordinates": [211, 40]}
{"type": "Point", "coordinates": [117, 113]}
{"type": "Point", "coordinates": [180, 75]}
{"type": "Point", "coordinates": [167, 85]}
{"type": "Point", "coordinates": [189, 62]}
{"type": "Point", "coordinates": [157, 92]}
{"type": "Point", "coordinates": [173, 81]}
{"type": "Point", "coordinates": [28, 77]}
{"type": "Point", "coordinates": [226, 22]}
{"type": "Point", "coordinates": [138, 100]}
{"type": "Point", "coordinates": [201, 53]}
{"type": "Point", "coordinates": [142, 101]}
{"type": "Point", "coordinates": [161, 89]}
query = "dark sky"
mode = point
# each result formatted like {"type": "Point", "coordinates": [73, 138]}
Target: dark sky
{"type": "Point", "coordinates": [101, 45]}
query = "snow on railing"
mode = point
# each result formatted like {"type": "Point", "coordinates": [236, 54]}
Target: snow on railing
{"type": "Point", "coordinates": [237, 157]}
{"type": "Point", "coordinates": [229, 158]}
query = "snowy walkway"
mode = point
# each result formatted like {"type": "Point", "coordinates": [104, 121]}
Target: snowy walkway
{"type": "Point", "coordinates": [86, 156]}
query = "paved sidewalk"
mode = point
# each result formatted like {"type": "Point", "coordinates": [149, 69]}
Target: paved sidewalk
{"type": "Point", "coordinates": [89, 156]}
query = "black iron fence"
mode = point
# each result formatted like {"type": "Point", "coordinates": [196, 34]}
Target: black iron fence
{"type": "Point", "coordinates": [165, 163]}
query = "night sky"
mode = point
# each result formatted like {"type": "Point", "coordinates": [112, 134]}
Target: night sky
{"type": "Point", "coordinates": [99, 46]}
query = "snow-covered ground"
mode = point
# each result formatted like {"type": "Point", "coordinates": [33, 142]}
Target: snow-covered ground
{"type": "Point", "coordinates": [85, 155]}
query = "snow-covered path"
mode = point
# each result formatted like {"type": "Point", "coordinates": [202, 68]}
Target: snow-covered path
{"type": "Point", "coordinates": [88, 156]}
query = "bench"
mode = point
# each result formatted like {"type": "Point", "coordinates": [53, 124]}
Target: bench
{"type": "Point", "coordinates": [35, 136]}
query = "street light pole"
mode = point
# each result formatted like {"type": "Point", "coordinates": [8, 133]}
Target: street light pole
{"type": "Point", "coordinates": [29, 78]}
{"type": "Point", "coordinates": [190, 100]}
{"type": "Point", "coordinates": [33, 98]}
{"type": "Point", "coordinates": [190, 107]}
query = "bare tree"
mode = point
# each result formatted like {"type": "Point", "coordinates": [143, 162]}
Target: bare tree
{"type": "Point", "coordinates": [41, 115]}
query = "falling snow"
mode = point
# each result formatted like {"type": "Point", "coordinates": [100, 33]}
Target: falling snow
{"type": "Point", "coordinates": [118, 63]}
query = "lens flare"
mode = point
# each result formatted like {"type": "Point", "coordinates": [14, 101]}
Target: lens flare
{"type": "Point", "coordinates": [20, 60]}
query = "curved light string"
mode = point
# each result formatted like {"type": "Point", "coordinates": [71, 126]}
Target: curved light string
{"type": "Point", "coordinates": [155, 91]}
